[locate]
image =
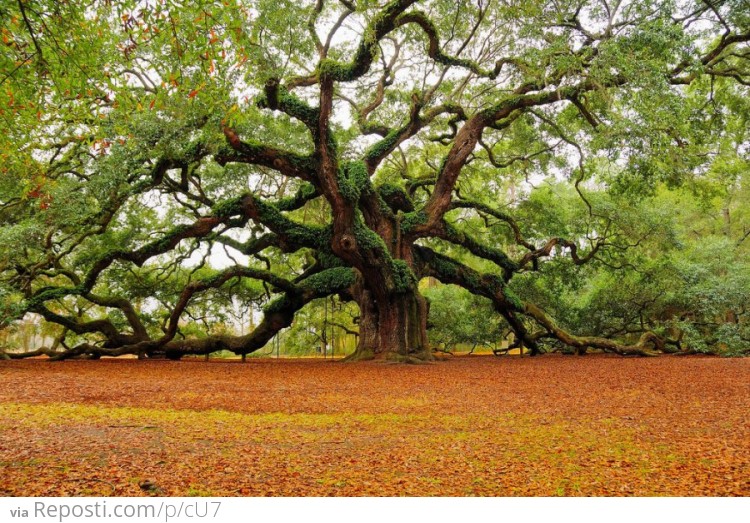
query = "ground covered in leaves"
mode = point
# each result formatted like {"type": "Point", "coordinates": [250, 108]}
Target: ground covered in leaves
{"type": "Point", "coordinates": [553, 425]}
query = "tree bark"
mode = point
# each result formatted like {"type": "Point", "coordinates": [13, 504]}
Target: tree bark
{"type": "Point", "coordinates": [392, 329]}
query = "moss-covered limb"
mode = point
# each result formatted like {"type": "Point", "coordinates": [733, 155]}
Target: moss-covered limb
{"type": "Point", "coordinates": [289, 233]}
{"type": "Point", "coordinates": [353, 180]}
{"type": "Point", "coordinates": [448, 232]}
{"type": "Point", "coordinates": [374, 128]}
{"type": "Point", "coordinates": [102, 326]}
{"type": "Point", "coordinates": [286, 234]}
{"type": "Point", "coordinates": [199, 228]}
{"type": "Point", "coordinates": [223, 276]}
{"type": "Point", "coordinates": [250, 247]}
{"type": "Point", "coordinates": [369, 241]}
{"type": "Point", "coordinates": [507, 303]}
{"type": "Point", "coordinates": [415, 183]}
{"type": "Point", "coordinates": [448, 270]}
{"type": "Point", "coordinates": [59, 341]}
{"type": "Point", "coordinates": [395, 197]}
{"type": "Point", "coordinates": [391, 17]}
{"type": "Point", "coordinates": [113, 337]}
{"type": "Point", "coordinates": [278, 98]}
{"type": "Point", "coordinates": [377, 152]}
{"type": "Point", "coordinates": [367, 49]}
{"type": "Point", "coordinates": [42, 351]}
{"type": "Point", "coordinates": [74, 278]}
{"type": "Point", "coordinates": [356, 187]}
{"type": "Point", "coordinates": [710, 60]}
{"type": "Point", "coordinates": [648, 344]}
{"type": "Point", "coordinates": [491, 286]}
{"type": "Point", "coordinates": [412, 221]}
{"type": "Point", "coordinates": [417, 121]}
{"type": "Point", "coordinates": [105, 327]}
{"type": "Point", "coordinates": [434, 50]}
{"type": "Point", "coordinates": [524, 97]}
{"type": "Point", "coordinates": [403, 278]}
{"type": "Point", "coordinates": [378, 214]}
{"type": "Point", "coordinates": [328, 282]}
{"type": "Point", "coordinates": [50, 293]}
{"type": "Point", "coordinates": [233, 206]}
{"type": "Point", "coordinates": [90, 351]}
{"type": "Point", "coordinates": [215, 281]}
{"type": "Point", "coordinates": [546, 250]}
{"type": "Point", "coordinates": [139, 330]}
{"type": "Point", "coordinates": [459, 115]}
{"type": "Point", "coordinates": [306, 193]}
{"type": "Point", "coordinates": [365, 249]}
{"type": "Point", "coordinates": [372, 251]}
{"type": "Point", "coordinates": [177, 348]}
{"type": "Point", "coordinates": [278, 315]}
{"type": "Point", "coordinates": [495, 213]}
{"type": "Point", "coordinates": [386, 79]}
{"type": "Point", "coordinates": [286, 162]}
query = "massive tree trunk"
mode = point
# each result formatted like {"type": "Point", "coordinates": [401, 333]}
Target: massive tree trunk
{"type": "Point", "coordinates": [393, 328]}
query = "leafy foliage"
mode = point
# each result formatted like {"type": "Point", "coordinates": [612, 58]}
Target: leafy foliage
{"type": "Point", "coordinates": [458, 318]}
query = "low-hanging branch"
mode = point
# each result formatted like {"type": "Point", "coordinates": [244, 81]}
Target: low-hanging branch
{"type": "Point", "coordinates": [507, 303]}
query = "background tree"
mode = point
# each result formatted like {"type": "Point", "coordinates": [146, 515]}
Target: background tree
{"type": "Point", "coordinates": [461, 321]}
{"type": "Point", "coordinates": [685, 280]}
{"type": "Point", "coordinates": [341, 148]}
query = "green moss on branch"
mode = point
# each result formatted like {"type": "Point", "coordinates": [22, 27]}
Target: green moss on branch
{"type": "Point", "coordinates": [395, 197]}
{"type": "Point", "coordinates": [306, 193]}
{"type": "Point", "coordinates": [404, 279]}
{"type": "Point", "coordinates": [353, 180]}
{"type": "Point", "coordinates": [330, 281]}
{"type": "Point", "coordinates": [410, 221]}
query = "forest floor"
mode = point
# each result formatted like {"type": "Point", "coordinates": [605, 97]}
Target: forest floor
{"type": "Point", "coordinates": [476, 425]}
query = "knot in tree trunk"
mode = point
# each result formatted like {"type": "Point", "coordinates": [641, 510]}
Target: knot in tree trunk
{"type": "Point", "coordinates": [348, 243]}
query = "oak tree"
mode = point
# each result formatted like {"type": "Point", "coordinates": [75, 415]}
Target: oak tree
{"type": "Point", "coordinates": [334, 148]}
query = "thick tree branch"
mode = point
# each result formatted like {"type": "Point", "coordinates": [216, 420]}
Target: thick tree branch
{"type": "Point", "coordinates": [287, 163]}
{"type": "Point", "coordinates": [648, 344]}
{"type": "Point", "coordinates": [382, 24]}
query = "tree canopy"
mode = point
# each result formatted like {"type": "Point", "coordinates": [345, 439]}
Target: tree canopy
{"type": "Point", "coordinates": [164, 164]}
